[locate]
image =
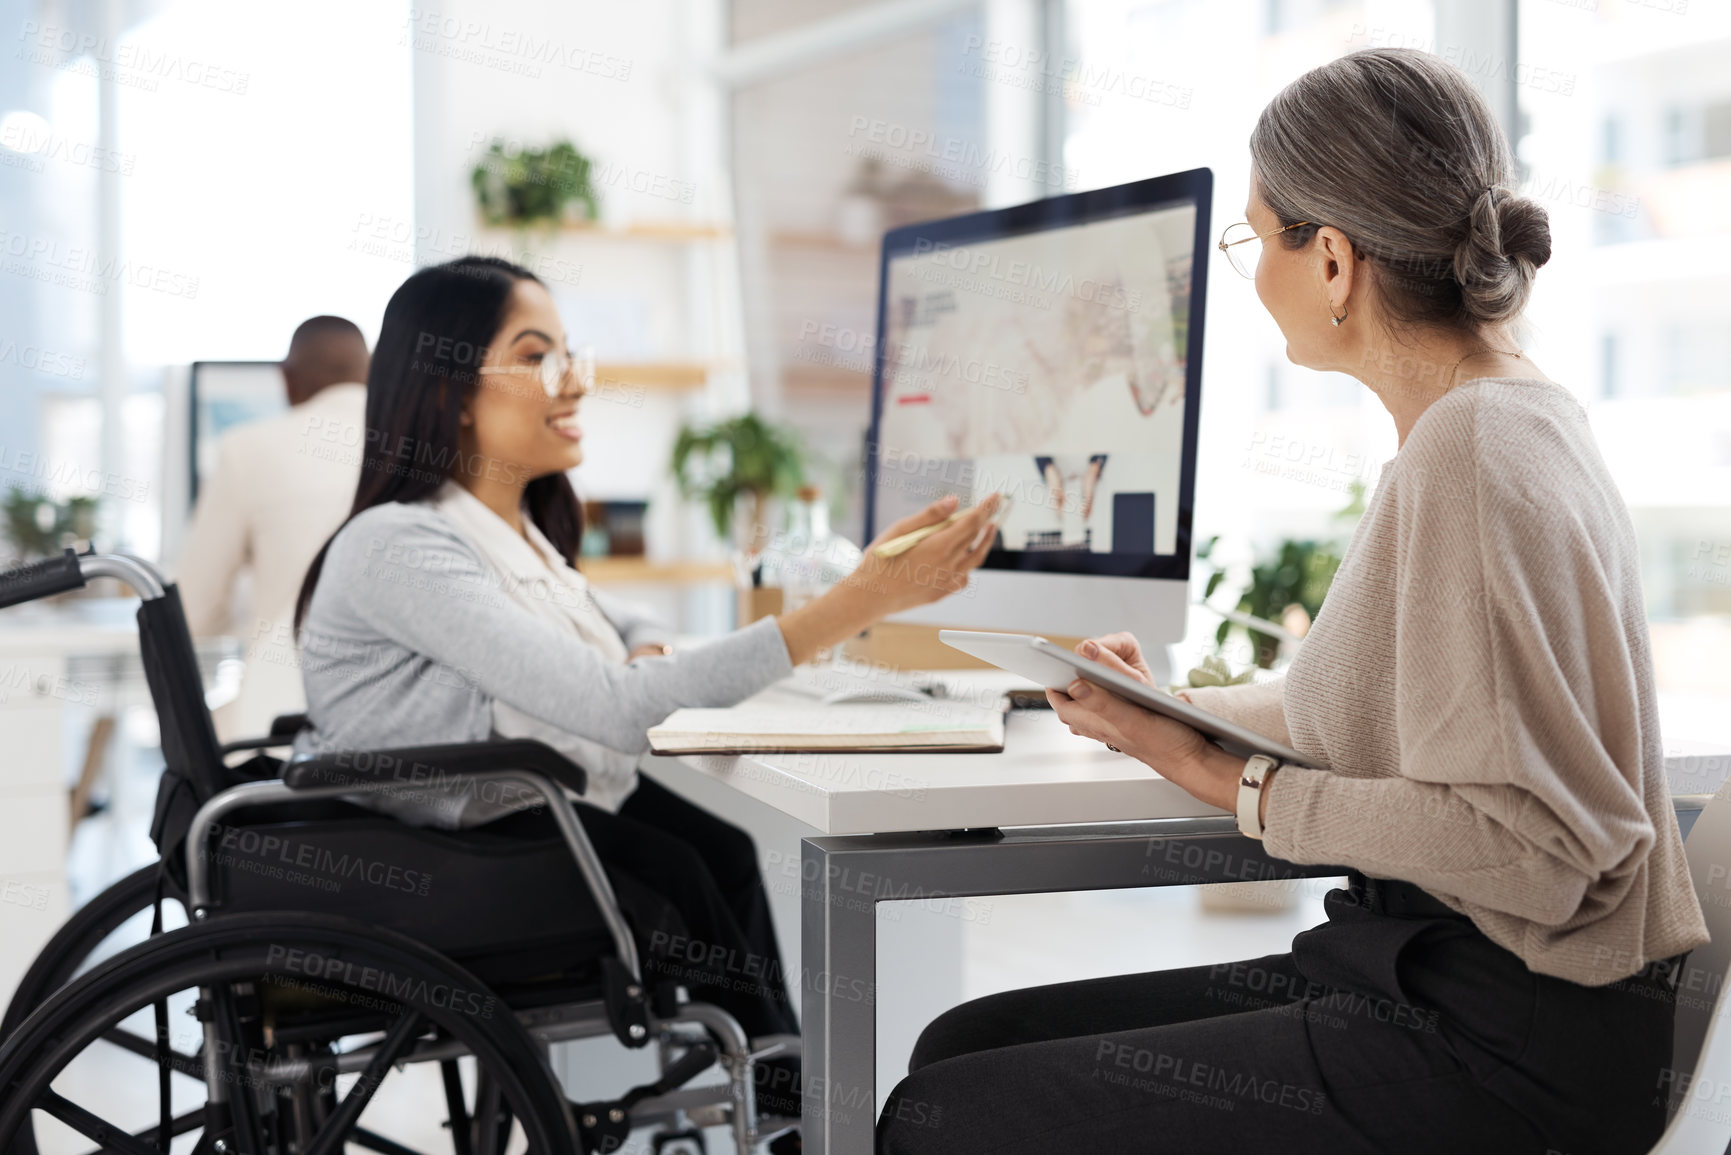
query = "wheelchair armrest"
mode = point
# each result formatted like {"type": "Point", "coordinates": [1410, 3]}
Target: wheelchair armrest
{"type": "Point", "coordinates": [423, 765]}
{"type": "Point", "coordinates": [283, 729]}
{"type": "Point", "coordinates": [287, 725]}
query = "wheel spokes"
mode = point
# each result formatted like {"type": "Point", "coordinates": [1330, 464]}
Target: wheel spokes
{"type": "Point", "coordinates": [91, 1126]}
{"type": "Point", "coordinates": [179, 1126]}
{"type": "Point", "coordinates": [454, 1106]}
{"type": "Point", "coordinates": [330, 1137]}
{"type": "Point", "coordinates": [373, 1141]}
{"type": "Point", "coordinates": [189, 1065]}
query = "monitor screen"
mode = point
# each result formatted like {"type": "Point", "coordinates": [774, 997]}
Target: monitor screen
{"type": "Point", "coordinates": [221, 395]}
{"type": "Point", "coordinates": [1049, 352]}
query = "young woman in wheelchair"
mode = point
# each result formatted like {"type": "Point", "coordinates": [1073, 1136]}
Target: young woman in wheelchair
{"type": "Point", "coordinates": [448, 608]}
{"type": "Point", "coordinates": [1500, 974]}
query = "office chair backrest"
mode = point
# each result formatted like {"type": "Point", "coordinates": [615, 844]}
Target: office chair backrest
{"type": "Point", "coordinates": [1699, 1081]}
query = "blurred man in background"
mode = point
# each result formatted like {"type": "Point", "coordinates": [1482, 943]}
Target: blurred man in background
{"type": "Point", "coordinates": [281, 486]}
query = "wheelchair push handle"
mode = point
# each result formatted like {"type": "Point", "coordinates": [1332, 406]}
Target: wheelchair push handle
{"type": "Point", "coordinates": [41, 579]}
{"type": "Point", "coordinates": [71, 570]}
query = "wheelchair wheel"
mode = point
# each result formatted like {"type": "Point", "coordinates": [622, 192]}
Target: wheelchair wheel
{"type": "Point", "coordinates": [85, 937]}
{"type": "Point", "coordinates": [84, 934]}
{"type": "Point", "coordinates": [301, 1022]}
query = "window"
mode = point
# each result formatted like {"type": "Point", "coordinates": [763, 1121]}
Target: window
{"type": "Point", "coordinates": [1638, 282]}
{"type": "Point", "coordinates": [153, 225]}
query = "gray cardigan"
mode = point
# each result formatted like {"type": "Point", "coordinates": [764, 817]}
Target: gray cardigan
{"type": "Point", "coordinates": [408, 641]}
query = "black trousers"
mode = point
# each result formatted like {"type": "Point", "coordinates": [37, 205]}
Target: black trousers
{"type": "Point", "coordinates": [690, 883]}
{"type": "Point", "coordinates": [1394, 1026]}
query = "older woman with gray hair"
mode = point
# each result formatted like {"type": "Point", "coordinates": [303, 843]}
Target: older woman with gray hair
{"type": "Point", "coordinates": [1476, 699]}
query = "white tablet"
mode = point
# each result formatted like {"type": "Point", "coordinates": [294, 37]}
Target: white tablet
{"type": "Point", "coordinates": [1055, 667]}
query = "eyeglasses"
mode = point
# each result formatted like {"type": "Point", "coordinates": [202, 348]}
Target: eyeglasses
{"type": "Point", "coordinates": [1235, 242]}
{"type": "Point", "coordinates": [556, 365]}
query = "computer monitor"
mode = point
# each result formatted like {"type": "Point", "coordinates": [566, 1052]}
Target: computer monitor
{"type": "Point", "coordinates": [221, 395]}
{"type": "Point", "coordinates": [1051, 351]}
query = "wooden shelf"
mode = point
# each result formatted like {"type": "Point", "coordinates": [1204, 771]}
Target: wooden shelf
{"type": "Point", "coordinates": [820, 242]}
{"type": "Point", "coordinates": [652, 374]}
{"type": "Point", "coordinates": [622, 570]}
{"type": "Point", "coordinates": [824, 380]}
{"type": "Point", "coordinates": [660, 232]}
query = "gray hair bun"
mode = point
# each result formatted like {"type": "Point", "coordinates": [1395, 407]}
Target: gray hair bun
{"type": "Point", "coordinates": [1419, 178]}
{"type": "Point", "coordinates": [1508, 238]}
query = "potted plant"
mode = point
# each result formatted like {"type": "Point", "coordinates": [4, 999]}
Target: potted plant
{"type": "Point", "coordinates": [534, 186]}
{"type": "Point", "coordinates": [39, 526]}
{"type": "Point", "coordinates": [734, 466]}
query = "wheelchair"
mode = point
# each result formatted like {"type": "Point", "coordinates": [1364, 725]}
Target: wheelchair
{"type": "Point", "coordinates": [329, 946]}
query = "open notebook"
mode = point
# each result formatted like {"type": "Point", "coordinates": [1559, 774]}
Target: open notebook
{"type": "Point", "coordinates": [938, 726]}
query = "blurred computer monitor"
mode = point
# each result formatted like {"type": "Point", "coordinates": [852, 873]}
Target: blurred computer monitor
{"type": "Point", "coordinates": [220, 396]}
{"type": "Point", "coordinates": [1051, 351]}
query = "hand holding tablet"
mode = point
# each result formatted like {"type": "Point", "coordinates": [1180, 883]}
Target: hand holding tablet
{"type": "Point", "coordinates": [1056, 668]}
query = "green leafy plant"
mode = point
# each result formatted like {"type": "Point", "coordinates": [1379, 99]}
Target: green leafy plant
{"type": "Point", "coordinates": [38, 526]}
{"type": "Point", "coordinates": [741, 457]}
{"type": "Point", "coordinates": [533, 185]}
{"type": "Point", "coordinates": [1298, 575]}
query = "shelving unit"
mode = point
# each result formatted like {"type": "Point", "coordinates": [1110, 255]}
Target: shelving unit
{"type": "Point", "coordinates": [654, 374]}
{"type": "Point", "coordinates": [662, 232]}
{"type": "Point", "coordinates": [821, 242]}
{"type": "Point", "coordinates": [639, 570]}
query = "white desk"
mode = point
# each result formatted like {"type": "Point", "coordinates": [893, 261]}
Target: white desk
{"type": "Point", "coordinates": [1052, 813]}
{"type": "Point", "coordinates": [1045, 775]}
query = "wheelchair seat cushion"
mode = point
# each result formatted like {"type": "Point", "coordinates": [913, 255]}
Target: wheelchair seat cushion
{"type": "Point", "coordinates": [506, 900]}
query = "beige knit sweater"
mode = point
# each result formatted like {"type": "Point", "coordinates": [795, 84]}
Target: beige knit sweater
{"type": "Point", "coordinates": [1480, 689]}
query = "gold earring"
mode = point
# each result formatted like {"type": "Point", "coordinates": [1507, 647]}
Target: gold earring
{"type": "Point", "coordinates": [1336, 320]}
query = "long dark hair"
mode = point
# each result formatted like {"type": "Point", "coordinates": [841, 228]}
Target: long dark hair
{"type": "Point", "coordinates": [437, 328]}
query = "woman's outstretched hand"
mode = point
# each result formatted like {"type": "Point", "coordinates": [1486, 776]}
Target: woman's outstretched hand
{"type": "Point", "coordinates": [934, 568]}
{"type": "Point", "coordinates": [1173, 750]}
